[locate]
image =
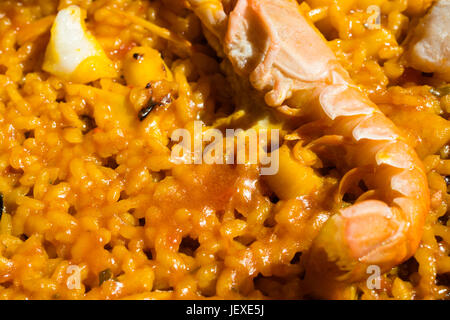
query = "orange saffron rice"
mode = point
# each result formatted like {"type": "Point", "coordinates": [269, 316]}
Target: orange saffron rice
{"type": "Point", "coordinates": [93, 207]}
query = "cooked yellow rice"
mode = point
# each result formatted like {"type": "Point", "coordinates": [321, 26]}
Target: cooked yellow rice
{"type": "Point", "coordinates": [86, 183]}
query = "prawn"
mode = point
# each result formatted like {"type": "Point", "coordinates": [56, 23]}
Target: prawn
{"type": "Point", "coordinates": [282, 53]}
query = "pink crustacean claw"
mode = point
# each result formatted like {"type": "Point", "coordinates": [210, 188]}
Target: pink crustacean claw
{"type": "Point", "coordinates": [276, 53]}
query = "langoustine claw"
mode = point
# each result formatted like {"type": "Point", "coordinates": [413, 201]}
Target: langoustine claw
{"type": "Point", "coordinates": [282, 53]}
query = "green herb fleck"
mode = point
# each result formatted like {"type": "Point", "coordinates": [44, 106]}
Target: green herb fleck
{"type": "Point", "coordinates": [441, 91]}
{"type": "Point", "coordinates": [104, 275]}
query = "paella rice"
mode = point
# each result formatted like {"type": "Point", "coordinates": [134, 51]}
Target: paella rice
{"type": "Point", "coordinates": [89, 188]}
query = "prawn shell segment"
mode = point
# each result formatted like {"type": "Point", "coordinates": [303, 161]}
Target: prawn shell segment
{"type": "Point", "coordinates": [342, 100]}
{"type": "Point", "coordinates": [398, 154]}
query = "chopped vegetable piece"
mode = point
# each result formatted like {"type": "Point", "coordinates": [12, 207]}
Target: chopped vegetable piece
{"type": "Point", "coordinates": [73, 53]}
{"type": "Point", "coordinates": [143, 65]}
